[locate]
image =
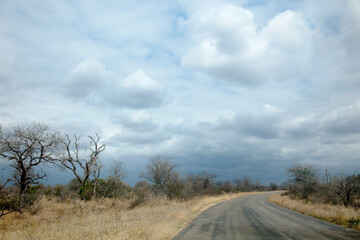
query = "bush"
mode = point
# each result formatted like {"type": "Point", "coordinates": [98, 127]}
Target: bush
{"type": "Point", "coordinates": [31, 195]}
{"type": "Point", "coordinates": [142, 193]}
{"type": "Point", "coordinates": [174, 188]}
{"type": "Point", "coordinates": [304, 180]}
{"type": "Point", "coordinates": [112, 187]}
{"type": "Point", "coordinates": [86, 191]}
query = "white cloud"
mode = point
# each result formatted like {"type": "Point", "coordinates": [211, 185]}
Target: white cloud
{"type": "Point", "coordinates": [137, 91]}
{"type": "Point", "coordinates": [87, 69]}
{"type": "Point", "coordinates": [88, 75]}
{"type": "Point", "coordinates": [272, 109]}
{"type": "Point", "coordinates": [90, 81]}
{"type": "Point", "coordinates": [286, 31]}
{"type": "Point", "coordinates": [227, 44]}
{"type": "Point", "coordinates": [139, 80]}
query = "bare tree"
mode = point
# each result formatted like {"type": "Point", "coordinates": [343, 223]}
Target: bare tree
{"type": "Point", "coordinates": [81, 167]}
{"type": "Point", "coordinates": [200, 183]}
{"type": "Point", "coordinates": [243, 184]}
{"type": "Point", "coordinates": [118, 170]}
{"type": "Point", "coordinates": [27, 148]}
{"type": "Point", "coordinates": [346, 187]}
{"type": "Point", "coordinates": [159, 171]}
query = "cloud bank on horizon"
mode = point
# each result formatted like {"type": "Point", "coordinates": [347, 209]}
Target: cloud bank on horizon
{"type": "Point", "coordinates": [231, 87]}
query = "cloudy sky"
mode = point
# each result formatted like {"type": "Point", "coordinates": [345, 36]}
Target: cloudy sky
{"type": "Point", "coordinates": [234, 88]}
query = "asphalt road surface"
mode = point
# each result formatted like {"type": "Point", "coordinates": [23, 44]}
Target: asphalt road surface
{"type": "Point", "coordinates": [253, 217]}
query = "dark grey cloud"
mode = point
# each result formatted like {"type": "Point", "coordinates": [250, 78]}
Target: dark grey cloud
{"type": "Point", "coordinates": [225, 153]}
{"type": "Point", "coordinates": [265, 125]}
{"type": "Point", "coordinates": [261, 127]}
{"type": "Point", "coordinates": [344, 120]}
{"type": "Point", "coordinates": [278, 140]}
{"type": "Point", "coordinates": [233, 154]}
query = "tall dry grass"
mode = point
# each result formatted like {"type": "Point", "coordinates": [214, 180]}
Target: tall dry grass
{"type": "Point", "coordinates": [105, 219]}
{"type": "Point", "coordinates": [345, 216]}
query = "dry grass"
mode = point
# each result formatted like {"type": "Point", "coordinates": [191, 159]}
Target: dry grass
{"type": "Point", "coordinates": [105, 219]}
{"type": "Point", "coordinates": [345, 216]}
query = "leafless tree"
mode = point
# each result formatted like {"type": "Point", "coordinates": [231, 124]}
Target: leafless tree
{"type": "Point", "coordinates": [72, 159]}
{"type": "Point", "coordinates": [243, 184]}
{"type": "Point", "coordinates": [201, 183]}
{"type": "Point", "coordinates": [118, 170]}
{"type": "Point", "coordinates": [159, 171]}
{"type": "Point", "coordinates": [346, 187]}
{"type": "Point", "coordinates": [27, 148]}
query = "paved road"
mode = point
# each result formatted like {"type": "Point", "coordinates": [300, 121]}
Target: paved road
{"type": "Point", "coordinates": [253, 217]}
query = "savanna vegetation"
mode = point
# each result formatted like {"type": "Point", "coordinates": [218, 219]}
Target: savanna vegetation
{"type": "Point", "coordinates": [90, 205]}
{"type": "Point", "coordinates": [334, 198]}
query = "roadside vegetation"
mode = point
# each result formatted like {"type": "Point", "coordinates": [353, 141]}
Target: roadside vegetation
{"type": "Point", "coordinates": [333, 198]}
{"type": "Point", "coordinates": [95, 207]}
{"type": "Point", "coordinates": [105, 218]}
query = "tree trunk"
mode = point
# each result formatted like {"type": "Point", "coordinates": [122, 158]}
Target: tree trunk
{"type": "Point", "coordinates": [23, 184]}
{"type": "Point", "coordinates": [94, 191]}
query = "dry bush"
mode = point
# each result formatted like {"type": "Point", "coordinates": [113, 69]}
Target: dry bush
{"type": "Point", "coordinates": [106, 219]}
{"type": "Point", "coordinates": [338, 214]}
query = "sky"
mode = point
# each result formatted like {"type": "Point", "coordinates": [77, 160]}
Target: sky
{"type": "Point", "coordinates": [234, 88]}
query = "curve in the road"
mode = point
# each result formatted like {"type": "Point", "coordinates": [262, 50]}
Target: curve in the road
{"type": "Point", "coordinates": [254, 217]}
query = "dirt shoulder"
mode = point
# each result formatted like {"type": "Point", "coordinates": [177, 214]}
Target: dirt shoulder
{"type": "Point", "coordinates": [345, 216]}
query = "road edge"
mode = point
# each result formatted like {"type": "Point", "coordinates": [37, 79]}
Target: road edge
{"type": "Point", "coordinates": [313, 217]}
